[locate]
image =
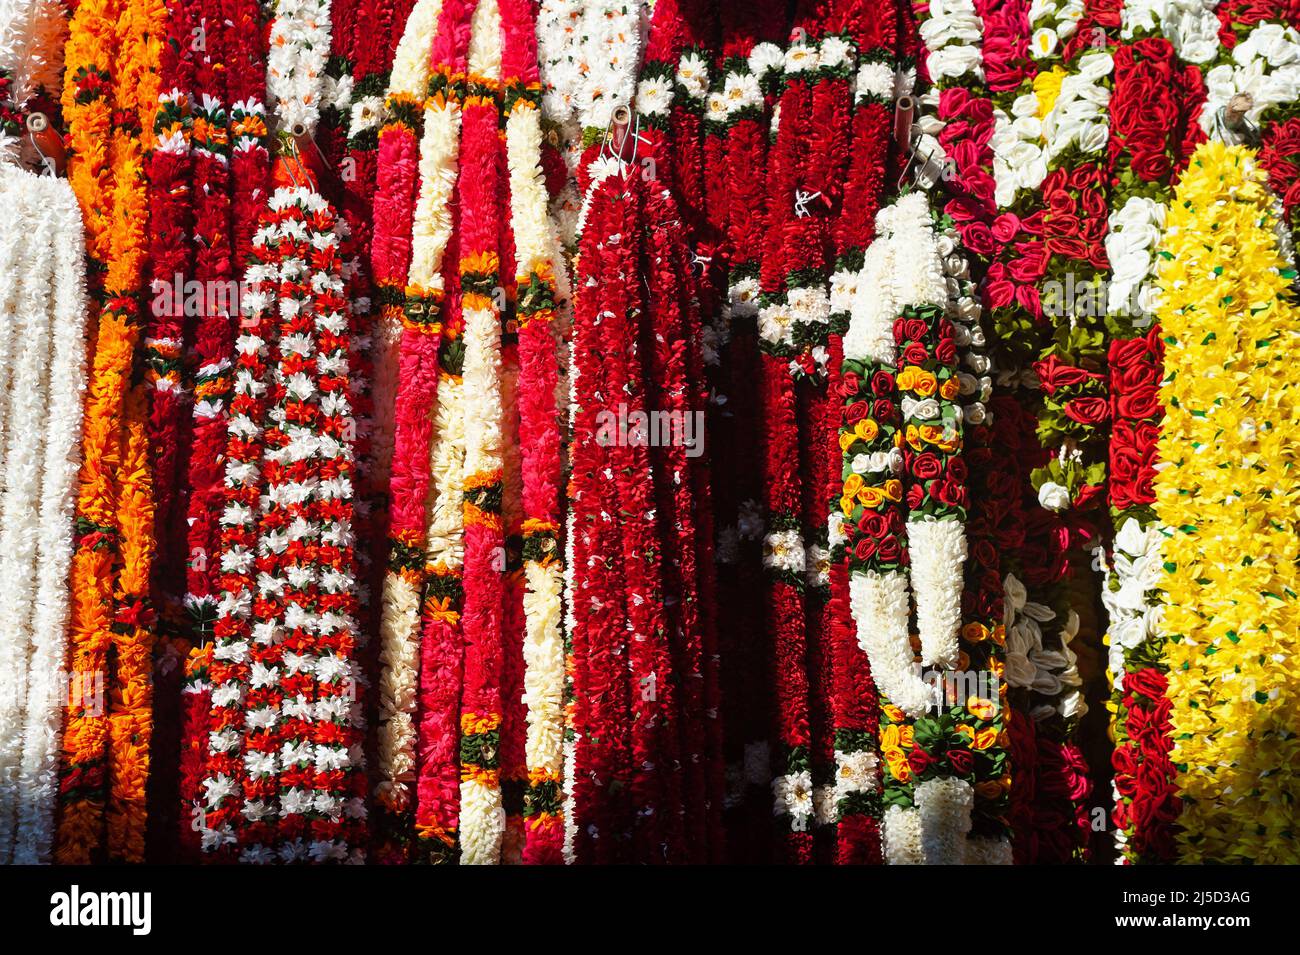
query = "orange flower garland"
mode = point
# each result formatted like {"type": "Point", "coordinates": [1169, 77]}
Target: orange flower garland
{"type": "Point", "coordinates": [106, 738]}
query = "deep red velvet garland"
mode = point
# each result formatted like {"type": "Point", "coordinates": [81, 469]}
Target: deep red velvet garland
{"type": "Point", "coordinates": [168, 170]}
{"type": "Point", "coordinates": [673, 371]}
{"type": "Point", "coordinates": [747, 717]}
{"type": "Point", "coordinates": [791, 245]}
{"type": "Point", "coordinates": [170, 223]}
{"type": "Point", "coordinates": [656, 768]}
{"type": "Point", "coordinates": [601, 688]}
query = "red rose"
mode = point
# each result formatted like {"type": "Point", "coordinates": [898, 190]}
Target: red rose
{"type": "Point", "coordinates": [884, 411]}
{"type": "Point", "coordinates": [1000, 292]}
{"type": "Point", "coordinates": [1054, 374]}
{"type": "Point", "coordinates": [1089, 411]}
{"type": "Point", "coordinates": [896, 522]}
{"type": "Point", "coordinates": [915, 354]}
{"type": "Point", "coordinates": [919, 760]}
{"type": "Point", "coordinates": [1005, 227]}
{"type": "Point", "coordinates": [915, 497]}
{"type": "Point", "coordinates": [1088, 495]}
{"type": "Point", "coordinates": [977, 238]}
{"type": "Point", "coordinates": [949, 492]}
{"type": "Point", "coordinates": [882, 383]}
{"type": "Point", "coordinates": [889, 549]}
{"type": "Point", "coordinates": [864, 548]}
{"type": "Point", "coordinates": [946, 352]}
{"type": "Point", "coordinates": [1030, 263]}
{"type": "Point", "coordinates": [957, 469]}
{"type": "Point", "coordinates": [1061, 203]}
{"type": "Point", "coordinates": [855, 412]}
{"type": "Point", "coordinates": [984, 553]}
{"type": "Point", "coordinates": [1148, 682]}
{"type": "Point", "coordinates": [913, 329]}
{"type": "Point", "coordinates": [926, 466]}
{"type": "Point", "coordinates": [1035, 224]}
{"type": "Point", "coordinates": [1142, 403]}
{"type": "Point", "coordinates": [961, 761]}
{"type": "Point", "coordinates": [872, 523]}
{"type": "Point", "coordinates": [849, 384]}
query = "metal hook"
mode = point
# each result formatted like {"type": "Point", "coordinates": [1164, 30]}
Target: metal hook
{"type": "Point", "coordinates": [38, 123]}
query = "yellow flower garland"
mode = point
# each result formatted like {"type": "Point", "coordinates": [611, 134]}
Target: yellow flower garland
{"type": "Point", "coordinates": [1228, 492]}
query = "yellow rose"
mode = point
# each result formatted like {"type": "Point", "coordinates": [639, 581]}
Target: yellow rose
{"type": "Point", "coordinates": [894, 489]}
{"type": "Point", "coordinates": [984, 738]}
{"type": "Point", "coordinates": [981, 708]}
{"type": "Point", "coordinates": [889, 737]}
{"type": "Point", "coordinates": [931, 434]}
{"type": "Point", "coordinates": [866, 429]}
{"type": "Point", "coordinates": [871, 497]}
{"type": "Point", "coordinates": [846, 440]}
{"type": "Point", "coordinates": [914, 437]}
{"type": "Point", "coordinates": [852, 484]}
{"type": "Point", "coordinates": [925, 384]}
{"type": "Point", "coordinates": [949, 389]}
{"type": "Point", "coordinates": [894, 713]}
{"type": "Point", "coordinates": [974, 632]}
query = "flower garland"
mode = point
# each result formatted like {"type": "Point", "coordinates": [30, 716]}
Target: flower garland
{"type": "Point", "coordinates": [1153, 127]}
{"type": "Point", "coordinates": [788, 246]}
{"type": "Point", "coordinates": [538, 303]}
{"type": "Point", "coordinates": [283, 781]}
{"type": "Point", "coordinates": [106, 737]}
{"type": "Point", "coordinates": [965, 114]}
{"type": "Point", "coordinates": [597, 815]}
{"type": "Point", "coordinates": [417, 379]}
{"type": "Point", "coordinates": [168, 172]}
{"type": "Point", "coordinates": [1225, 294]}
{"type": "Point", "coordinates": [171, 221]}
{"type": "Point", "coordinates": [231, 172]}
{"type": "Point", "coordinates": [482, 814]}
{"type": "Point", "coordinates": [41, 415]}
{"type": "Point", "coordinates": [751, 59]}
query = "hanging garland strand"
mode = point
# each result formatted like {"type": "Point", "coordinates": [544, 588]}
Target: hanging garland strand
{"type": "Point", "coordinates": [106, 736]}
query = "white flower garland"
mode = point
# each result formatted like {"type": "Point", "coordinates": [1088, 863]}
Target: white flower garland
{"type": "Point", "coordinates": [901, 837]}
{"type": "Point", "coordinates": [952, 34]}
{"type": "Point", "coordinates": [298, 49]}
{"type": "Point", "coordinates": [611, 50]}
{"type": "Point", "coordinates": [1266, 65]}
{"type": "Point", "coordinates": [1189, 25]}
{"type": "Point", "coordinates": [43, 268]}
{"type": "Point", "coordinates": [1134, 605]}
{"type": "Point", "coordinates": [560, 57]}
{"type": "Point", "coordinates": [1018, 158]}
{"type": "Point", "coordinates": [1050, 673]}
{"type": "Point", "coordinates": [944, 807]}
{"type": "Point", "coordinates": [32, 34]}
